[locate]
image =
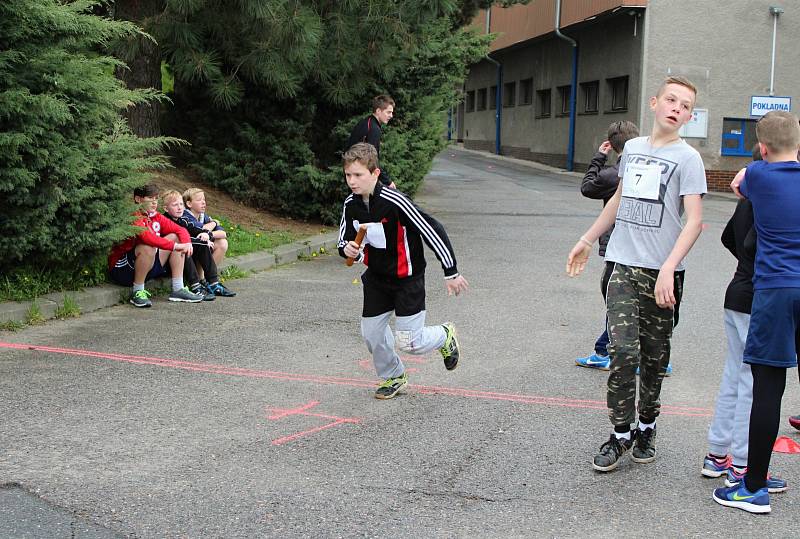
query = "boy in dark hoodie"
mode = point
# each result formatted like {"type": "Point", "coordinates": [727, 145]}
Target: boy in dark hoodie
{"type": "Point", "coordinates": [600, 183]}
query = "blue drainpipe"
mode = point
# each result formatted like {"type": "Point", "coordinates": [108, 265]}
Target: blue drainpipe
{"type": "Point", "coordinates": [498, 108]}
{"type": "Point", "coordinates": [450, 124]}
{"type": "Point", "coordinates": [573, 89]}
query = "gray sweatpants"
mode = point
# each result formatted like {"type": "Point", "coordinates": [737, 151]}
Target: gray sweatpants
{"type": "Point", "coordinates": [411, 337]}
{"type": "Point", "coordinates": [731, 424]}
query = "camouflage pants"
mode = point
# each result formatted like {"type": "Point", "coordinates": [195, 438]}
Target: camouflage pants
{"type": "Point", "coordinates": [640, 332]}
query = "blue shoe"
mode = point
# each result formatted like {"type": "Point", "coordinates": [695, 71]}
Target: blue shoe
{"type": "Point", "coordinates": [741, 498]}
{"type": "Point", "coordinates": [668, 373]}
{"type": "Point", "coordinates": [735, 477]}
{"type": "Point", "coordinates": [715, 468]}
{"type": "Point", "coordinates": [594, 362]}
{"type": "Point", "coordinates": [218, 289]}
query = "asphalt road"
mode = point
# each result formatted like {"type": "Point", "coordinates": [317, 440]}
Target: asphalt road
{"type": "Point", "coordinates": [254, 416]}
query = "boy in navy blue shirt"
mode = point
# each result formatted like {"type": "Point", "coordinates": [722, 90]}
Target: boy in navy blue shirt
{"type": "Point", "coordinates": [195, 214]}
{"type": "Point", "coordinates": [773, 187]}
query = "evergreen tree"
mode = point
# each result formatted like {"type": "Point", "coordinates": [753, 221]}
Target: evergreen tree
{"type": "Point", "coordinates": [68, 163]}
{"type": "Point", "coordinates": [266, 89]}
{"type": "Point", "coordinates": [269, 106]}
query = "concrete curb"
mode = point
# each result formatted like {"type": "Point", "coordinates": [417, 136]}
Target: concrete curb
{"type": "Point", "coordinates": [107, 295]}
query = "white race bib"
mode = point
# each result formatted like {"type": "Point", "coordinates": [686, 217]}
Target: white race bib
{"type": "Point", "coordinates": [641, 181]}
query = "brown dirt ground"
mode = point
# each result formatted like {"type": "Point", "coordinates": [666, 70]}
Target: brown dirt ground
{"type": "Point", "coordinates": [220, 203]}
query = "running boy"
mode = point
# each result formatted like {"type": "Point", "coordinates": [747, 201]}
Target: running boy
{"type": "Point", "coordinates": [773, 187]}
{"type": "Point", "coordinates": [395, 277]}
{"type": "Point", "coordinates": [145, 256]}
{"type": "Point", "coordinates": [600, 182]}
{"type": "Point", "coordinates": [195, 213]}
{"type": "Point", "coordinates": [661, 177]}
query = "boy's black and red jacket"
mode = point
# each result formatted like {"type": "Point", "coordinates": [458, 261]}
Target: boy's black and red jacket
{"type": "Point", "coordinates": [404, 227]}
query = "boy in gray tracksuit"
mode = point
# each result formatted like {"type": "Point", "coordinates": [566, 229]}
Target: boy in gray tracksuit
{"type": "Point", "coordinates": [394, 281]}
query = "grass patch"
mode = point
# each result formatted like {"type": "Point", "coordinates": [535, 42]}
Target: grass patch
{"type": "Point", "coordinates": [27, 283]}
{"type": "Point", "coordinates": [242, 241]}
{"type": "Point", "coordinates": [232, 272]}
{"type": "Point", "coordinates": [11, 325]}
{"type": "Point", "coordinates": [69, 309]}
{"type": "Point", "coordinates": [34, 316]}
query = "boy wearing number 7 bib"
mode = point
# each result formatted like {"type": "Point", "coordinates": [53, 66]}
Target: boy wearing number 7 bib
{"type": "Point", "coordinates": [661, 179]}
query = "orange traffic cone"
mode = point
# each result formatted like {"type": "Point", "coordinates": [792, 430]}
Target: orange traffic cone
{"type": "Point", "coordinates": [784, 444]}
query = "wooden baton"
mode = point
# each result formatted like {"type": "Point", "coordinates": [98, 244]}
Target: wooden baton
{"type": "Point", "coordinates": [362, 231]}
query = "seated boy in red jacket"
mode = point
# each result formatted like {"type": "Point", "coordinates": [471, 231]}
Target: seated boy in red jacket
{"type": "Point", "coordinates": [160, 247]}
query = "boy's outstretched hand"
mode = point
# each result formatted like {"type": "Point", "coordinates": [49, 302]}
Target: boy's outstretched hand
{"type": "Point", "coordinates": [578, 257]}
{"type": "Point", "coordinates": [456, 286]}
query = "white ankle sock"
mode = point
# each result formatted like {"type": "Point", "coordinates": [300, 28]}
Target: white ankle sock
{"type": "Point", "coordinates": [177, 283]}
{"type": "Point", "coordinates": [623, 435]}
{"type": "Point", "coordinates": [643, 426]}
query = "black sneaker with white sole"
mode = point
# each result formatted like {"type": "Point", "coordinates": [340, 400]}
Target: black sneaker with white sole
{"type": "Point", "coordinates": [611, 452]}
{"type": "Point", "coordinates": [202, 291]}
{"type": "Point", "coordinates": [644, 448]}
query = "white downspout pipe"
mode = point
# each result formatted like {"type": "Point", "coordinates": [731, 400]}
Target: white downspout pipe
{"type": "Point", "coordinates": [775, 11]}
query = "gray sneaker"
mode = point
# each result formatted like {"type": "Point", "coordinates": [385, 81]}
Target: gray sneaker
{"type": "Point", "coordinates": [611, 452]}
{"type": "Point", "coordinates": [184, 294]}
{"type": "Point", "coordinates": [141, 299]}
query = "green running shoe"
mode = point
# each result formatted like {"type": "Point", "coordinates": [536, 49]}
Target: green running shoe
{"type": "Point", "coordinates": [391, 387]}
{"type": "Point", "coordinates": [450, 350]}
{"type": "Point", "coordinates": [141, 298]}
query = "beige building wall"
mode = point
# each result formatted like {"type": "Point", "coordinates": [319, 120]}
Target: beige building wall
{"type": "Point", "coordinates": [725, 49]}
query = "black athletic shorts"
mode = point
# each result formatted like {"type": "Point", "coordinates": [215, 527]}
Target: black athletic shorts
{"type": "Point", "coordinates": [406, 297]}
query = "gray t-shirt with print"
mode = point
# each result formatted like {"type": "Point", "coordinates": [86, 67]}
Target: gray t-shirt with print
{"type": "Point", "coordinates": [649, 220]}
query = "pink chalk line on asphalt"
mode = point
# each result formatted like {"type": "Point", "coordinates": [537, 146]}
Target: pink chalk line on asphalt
{"type": "Point", "coordinates": [228, 370]}
{"type": "Point", "coordinates": [280, 413]}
